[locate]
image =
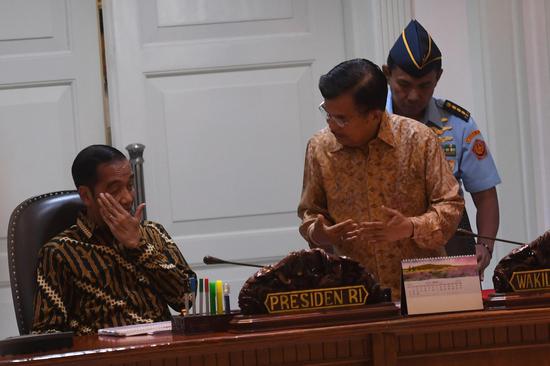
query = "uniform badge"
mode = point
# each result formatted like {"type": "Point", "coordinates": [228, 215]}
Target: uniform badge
{"type": "Point", "coordinates": [449, 149]}
{"type": "Point", "coordinates": [443, 139]}
{"type": "Point", "coordinates": [472, 135]}
{"type": "Point", "coordinates": [440, 130]}
{"type": "Point", "coordinates": [444, 119]}
{"type": "Point", "coordinates": [437, 130]}
{"type": "Point", "coordinates": [451, 164]}
{"type": "Point", "coordinates": [480, 149]}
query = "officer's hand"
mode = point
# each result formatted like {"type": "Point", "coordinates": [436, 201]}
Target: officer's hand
{"type": "Point", "coordinates": [483, 259]}
{"type": "Point", "coordinates": [395, 227]}
{"type": "Point", "coordinates": [122, 224]}
{"type": "Point", "coordinates": [325, 235]}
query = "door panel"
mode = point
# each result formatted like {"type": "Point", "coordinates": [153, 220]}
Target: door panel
{"type": "Point", "coordinates": [225, 100]}
{"type": "Point", "coordinates": [50, 102]}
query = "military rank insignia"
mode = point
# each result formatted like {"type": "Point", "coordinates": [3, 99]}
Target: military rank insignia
{"type": "Point", "coordinates": [456, 110]}
{"type": "Point", "coordinates": [443, 139]}
{"type": "Point", "coordinates": [449, 149]}
{"type": "Point", "coordinates": [480, 149]}
{"type": "Point", "coordinates": [451, 164]}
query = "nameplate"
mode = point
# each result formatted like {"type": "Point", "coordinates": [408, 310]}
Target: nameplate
{"type": "Point", "coordinates": [530, 280]}
{"type": "Point", "coordinates": [322, 298]}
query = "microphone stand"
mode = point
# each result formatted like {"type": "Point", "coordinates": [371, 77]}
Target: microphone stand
{"type": "Point", "coordinates": [463, 232]}
{"type": "Point", "coordinates": [213, 260]}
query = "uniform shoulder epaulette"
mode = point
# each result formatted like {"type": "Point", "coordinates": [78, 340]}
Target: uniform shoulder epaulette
{"type": "Point", "coordinates": [456, 110]}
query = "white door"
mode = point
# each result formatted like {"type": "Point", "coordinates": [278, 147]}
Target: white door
{"type": "Point", "coordinates": [223, 93]}
{"type": "Point", "coordinates": [50, 105]}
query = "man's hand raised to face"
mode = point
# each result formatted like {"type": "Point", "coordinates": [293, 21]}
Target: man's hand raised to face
{"type": "Point", "coordinates": [122, 224]}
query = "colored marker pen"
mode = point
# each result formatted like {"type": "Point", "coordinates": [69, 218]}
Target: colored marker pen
{"type": "Point", "coordinates": [193, 283]}
{"type": "Point", "coordinates": [207, 296]}
{"type": "Point", "coordinates": [226, 290]}
{"type": "Point", "coordinates": [212, 298]}
{"type": "Point", "coordinates": [219, 297]}
{"type": "Point", "coordinates": [201, 291]}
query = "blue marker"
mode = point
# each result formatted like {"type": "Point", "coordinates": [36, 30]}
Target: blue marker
{"type": "Point", "coordinates": [193, 284]}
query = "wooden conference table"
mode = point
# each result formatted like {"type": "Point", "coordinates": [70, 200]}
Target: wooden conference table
{"type": "Point", "coordinates": [491, 337]}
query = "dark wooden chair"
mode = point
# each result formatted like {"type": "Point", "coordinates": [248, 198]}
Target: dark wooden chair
{"type": "Point", "coordinates": [31, 225]}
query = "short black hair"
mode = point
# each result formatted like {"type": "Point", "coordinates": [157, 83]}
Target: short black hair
{"type": "Point", "coordinates": [361, 77]}
{"type": "Point", "coordinates": [85, 164]}
{"type": "Point", "coordinates": [435, 65]}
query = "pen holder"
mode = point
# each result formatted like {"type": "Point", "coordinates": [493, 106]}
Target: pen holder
{"type": "Point", "coordinates": [192, 324]}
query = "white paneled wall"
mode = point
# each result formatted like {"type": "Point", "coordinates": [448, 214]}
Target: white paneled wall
{"type": "Point", "coordinates": [485, 70]}
{"type": "Point", "coordinates": [50, 106]}
{"type": "Point", "coordinates": [225, 103]}
{"type": "Point", "coordinates": [225, 99]}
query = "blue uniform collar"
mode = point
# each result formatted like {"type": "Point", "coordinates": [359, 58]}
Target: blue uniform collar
{"type": "Point", "coordinates": [433, 113]}
{"type": "Point", "coordinates": [389, 102]}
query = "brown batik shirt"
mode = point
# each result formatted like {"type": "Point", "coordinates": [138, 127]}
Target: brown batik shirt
{"type": "Point", "coordinates": [87, 280]}
{"type": "Point", "coordinates": [405, 169]}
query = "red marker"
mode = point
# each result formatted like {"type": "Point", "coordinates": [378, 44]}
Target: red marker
{"type": "Point", "coordinates": [207, 297]}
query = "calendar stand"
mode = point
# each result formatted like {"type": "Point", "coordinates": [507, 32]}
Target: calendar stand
{"type": "Point", "coordinates": [440, 285]}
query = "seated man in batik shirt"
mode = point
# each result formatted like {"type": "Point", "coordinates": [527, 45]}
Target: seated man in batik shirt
{"type": "Point", "coordinates": [109, 269]}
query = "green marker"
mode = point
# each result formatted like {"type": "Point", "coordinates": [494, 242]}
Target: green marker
{"type": "Point", "coordinates": [212, 298]}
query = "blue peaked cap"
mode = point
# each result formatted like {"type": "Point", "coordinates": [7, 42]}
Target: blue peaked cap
{"type": "Point", "coordinates": [415, 52]}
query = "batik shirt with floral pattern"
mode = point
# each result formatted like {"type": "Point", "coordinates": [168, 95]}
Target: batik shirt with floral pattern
{"type": "Point", "coordinates": [87, 280]}
{"type": "Point", "coordinates": [404, 169]}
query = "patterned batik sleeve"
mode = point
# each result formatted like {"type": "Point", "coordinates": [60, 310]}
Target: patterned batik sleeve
{"type": "Point", "coordinates": [50, 309]}
{"type": "Point", "coordinates": [434, 228]}
{"type": "Point", "coordinates": [313, 200]}
{"type": "Point", "coordinates": [164, 264]}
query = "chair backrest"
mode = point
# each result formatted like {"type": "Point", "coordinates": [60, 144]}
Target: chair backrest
{"type": "Point", "coordinates": [32, 224]}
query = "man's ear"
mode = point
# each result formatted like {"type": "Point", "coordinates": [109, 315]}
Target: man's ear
{"type": "Point", "coordinates": [376, 114]}
{"type": "Point", "coordinates": [85, 195]}
{"type": "Point", "coordinates": [386, 70]}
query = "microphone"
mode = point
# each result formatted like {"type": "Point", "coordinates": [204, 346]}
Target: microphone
{"type": "Point", "coordinates": [213, 260]}
{"type": "Point", "coordinates": [462, 232]}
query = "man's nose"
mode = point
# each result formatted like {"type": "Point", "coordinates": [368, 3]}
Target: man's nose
{"type": "Point", "coordinates": [413, 95]}
{"type": "Point", "coordinates": [332, 125]}
{"type": "Point", "coordinates": [126, 197]}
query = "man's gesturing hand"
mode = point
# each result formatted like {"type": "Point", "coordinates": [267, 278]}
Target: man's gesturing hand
{"type": "Point", "coordinates": [395, 227]}
{"type": "Point", "coordinates": [325, 235]}
{"type": "Point", "coordinates": [122, 224]}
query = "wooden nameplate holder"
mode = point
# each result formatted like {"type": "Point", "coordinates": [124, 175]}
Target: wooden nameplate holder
{"type": "Point", "coordinates": [314, 318]}
{"type": "Point", "coordinates": [531, 289]}
{"type": "Point", "coordinates": [236, 322]}
{"type": "Point", "coordinates": [517, 300]}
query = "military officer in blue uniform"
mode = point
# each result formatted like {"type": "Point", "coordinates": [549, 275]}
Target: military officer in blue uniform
{"type": "Point", "coordinates": [413, 70]}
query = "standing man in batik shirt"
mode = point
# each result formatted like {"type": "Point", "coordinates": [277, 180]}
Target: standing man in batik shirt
{"type": "Point", "coordinates": [413, 70]}
{"type": "Point", "coordinates": [376, 186]}
{"type": "Point", "coordinates": [109, 269]}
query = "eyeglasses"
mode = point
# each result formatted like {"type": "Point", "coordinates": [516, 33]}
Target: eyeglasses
{"type": "Point", "coordinates": [339, 121]}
